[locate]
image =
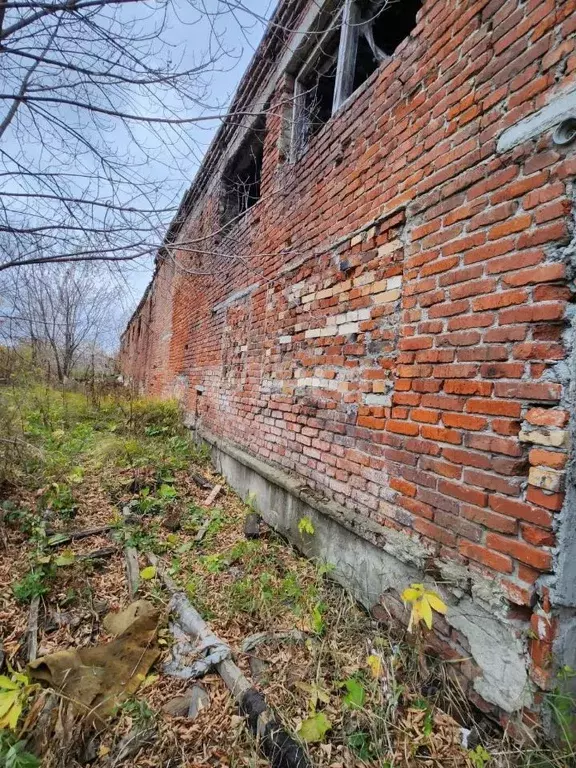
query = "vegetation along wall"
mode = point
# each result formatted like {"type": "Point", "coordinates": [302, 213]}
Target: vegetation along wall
{"type": "Point", "coordinates": [365, 305]}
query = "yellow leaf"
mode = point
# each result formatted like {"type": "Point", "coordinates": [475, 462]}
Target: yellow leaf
{"type": "Point", "coordinates": [7, 684]}
{"type": "Point", "coordinates": [410, 595]}
{"type": "Point", "coordinates": [10, 709]}
{"type": "Point", "coordinates": [21, 677]}
{"type": "Point", "coordinates": [103, 751]}
{"type": "Point", "coordinates": [14, 715]}
{"type": "Point", "coordinates": [148, 573]}
{"type": "Point", "coordinates": [436, 602]}
{"type": "Point", "coordinates": [426, 612]}
{"type": "Point", "coordinates": [7, 699]}
{"type": "Point", "coordinates": [375, 664]}
{"type": "Point", "coordinates": [149, 680]}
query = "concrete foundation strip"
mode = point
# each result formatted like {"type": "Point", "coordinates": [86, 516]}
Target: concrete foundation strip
{"type": "Point", "coordinates": [278, 746]}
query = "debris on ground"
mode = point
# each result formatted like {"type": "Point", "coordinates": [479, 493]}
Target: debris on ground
{"type": "Point", "coordinates": [94, 680]}
{"type": "Point", "coordinates": [346, 690]}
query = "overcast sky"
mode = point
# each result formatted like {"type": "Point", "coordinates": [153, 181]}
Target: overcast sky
{"type": "Point", "coordinates": [240, 32]}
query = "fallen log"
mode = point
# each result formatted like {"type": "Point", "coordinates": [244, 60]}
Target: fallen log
{"type": "Point", "coordinates": [97, 553]}
{"type": "Point", "coordinates": [278, 746]}
{"type": "Point", "coordinates": [63, 537]}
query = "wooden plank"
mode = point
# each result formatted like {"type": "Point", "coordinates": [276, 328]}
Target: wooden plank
{"type": "Point", "coordinates": [346, 54]}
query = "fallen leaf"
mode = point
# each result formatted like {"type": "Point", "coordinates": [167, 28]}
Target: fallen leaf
{"type": "Point", "coordinates": [314, 728]}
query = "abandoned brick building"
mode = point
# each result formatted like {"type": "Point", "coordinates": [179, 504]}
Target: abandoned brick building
{"type": "Point", "coordinates": [364, 306]}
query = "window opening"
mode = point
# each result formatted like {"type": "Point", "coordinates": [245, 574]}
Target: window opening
{"type": "Point", "coordinates": [367, 34]}
{"type": "Point", "coordinates": [242, 176]}
{"type": "Point", "coordinates": [383, 25]}
{"type": "Point", "coordinates": [315, 89]}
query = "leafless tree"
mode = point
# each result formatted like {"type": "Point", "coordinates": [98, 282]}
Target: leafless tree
{"type": "Point", "coordinates": [97, 113]}
{"type": "Point", "coordinates": [63, 312]}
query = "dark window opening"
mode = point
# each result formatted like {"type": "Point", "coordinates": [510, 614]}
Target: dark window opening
{"type": "Point", "coordinates": [315, 89]}
{"type": "Point", "coordinates": [242, 177]}
{"type": "Point", "coordinates": [383, 25]}
{"type": "Point", "coordinates": [366, 35]}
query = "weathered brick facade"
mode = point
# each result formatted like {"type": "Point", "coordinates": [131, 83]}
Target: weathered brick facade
{"type": "Point", "coordinates": [391, 321]}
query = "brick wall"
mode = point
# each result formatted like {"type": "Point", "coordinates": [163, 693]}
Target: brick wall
{"type": "Point", "coordinates": [391, 320]}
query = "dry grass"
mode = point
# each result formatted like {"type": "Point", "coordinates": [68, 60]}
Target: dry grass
{"type": "Point", "coordinates": [410, 713]}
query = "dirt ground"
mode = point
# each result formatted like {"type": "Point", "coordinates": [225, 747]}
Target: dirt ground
{"type": "Point", "coordinates": [355, 692]}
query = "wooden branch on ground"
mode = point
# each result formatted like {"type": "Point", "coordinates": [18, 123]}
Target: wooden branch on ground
{"type": "Point", "coordinates": [132, 570]}
{"type": "Point", "coordinates": [211, 498]}
{"type": "Point", "coordinates": [33, 629]}
{"type": "Point", "coordinates": [201, 481]}
{"type": "Point", "coordinates": [129, 745]}
{"type": "Point", "coordinates": [65, 536]}
{"type": "Point", "coordinates": [97, 553]}
{"type": "Point", "coordinates": [132, 566]}
{"type": "Point", "coordinates": [280, 748]}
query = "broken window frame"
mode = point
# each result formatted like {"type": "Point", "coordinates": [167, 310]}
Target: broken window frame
{"type": "Point", "coordinates": [234, 202]}
{"type": "Point", "coordinates": [300, 123]}
{"type": "Point", "coordinates": [352, 26]}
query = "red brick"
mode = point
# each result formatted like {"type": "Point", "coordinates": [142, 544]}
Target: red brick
{"type": "Point", "coordinates": [494, 444]}
{"type": "Point", "coordinates": [463, 421]}
{"type": "Point", "coordinates": [435, 532]}
{"type": "Point", "coordinates": [442, 435]}
{"type": "Point", "coordinates": [403, 486]}
{"type": "Point", "coordinates": [460, 387]}
{"type": "Point", "coordinates": [426, 416]}
{"type": "Point", "coordinates": [491, 482]}
{"type": "Point", "coordinates": [543, 274]}
{"type": "Point", "coordinates": [539, 456]}
{"type": "Point", "coordinates": [519, 550]}
{"type": "Point", "coordinates": [538, 537]}
{"type": "Point", "coordinates": [540, 391]}
{"type": "Point", "coordinates": [533, 314]}
{"type": "Point", "coordinates": [489, 519]}
{"type": "Point", "coordinates": [553, 501]}
{"type": "Point", "coordinates": [546, 417]}
{"type": "Point", "coordinates": [521, 511]}
{"type": "Point", "coordinates": [493, 407]}
{"type": "Point", "coordinates": [487, 557]}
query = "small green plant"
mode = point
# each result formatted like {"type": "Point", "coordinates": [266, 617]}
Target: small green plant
{"type": "Point", "coordinates": [561, 703]}
{"type": "Point", "coordinates": [139, 711]}
{"type": "Point", "coordinates": [355, 693]}
{"type": "Point", "coordinates": [13, 753]}
{"type": "Point", "coordinates": [315, 727]}
{"type": "Point", "coordinates": [18, 517]}
{"type": "Point", "coordinates": [214, 563]}
{"type": "Point", "coordinates": [479, 757]}
{"type": "Point", "coordinates": [305, 525]}
{"type": "Point", "coordinates": [361, 744]}
{"type": "Point", "coordinates": [34, 584]}
{"type": "Point", "coordinates": [317, 618]}
{"type": "Point", "coordinates": [59, 498]}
